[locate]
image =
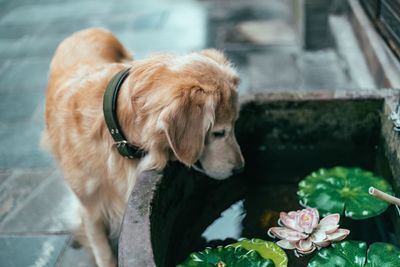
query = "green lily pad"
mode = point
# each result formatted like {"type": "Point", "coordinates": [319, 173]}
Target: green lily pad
{"type": "Point", "coordinates": [383, 255]}
{"type": "Point", "coordinates": [226, 257]}
{"type": "Point", "coordinates": [355, 254]}
{"type": "Point", "coordinates": [345, 253]}
{"type": "Point", "coordinates": [267, 250]}
{"type": "Point", "coordinates": [343, 190]}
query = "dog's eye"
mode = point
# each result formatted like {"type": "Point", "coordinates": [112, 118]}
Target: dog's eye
{"type": "Point", "coordinates": [219, 134]}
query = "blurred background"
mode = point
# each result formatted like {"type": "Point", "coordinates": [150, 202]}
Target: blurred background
{"type": "Point", "coordinates": [276, 45]}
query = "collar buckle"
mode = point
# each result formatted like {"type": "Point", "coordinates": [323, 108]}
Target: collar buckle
{"type": "Point", "coordinates": [126, 149]}
{"type": "Point", "coordinates": [121, 143]}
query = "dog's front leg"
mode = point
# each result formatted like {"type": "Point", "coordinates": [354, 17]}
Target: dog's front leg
{"type": "Point", "coordinates": [96, 234]}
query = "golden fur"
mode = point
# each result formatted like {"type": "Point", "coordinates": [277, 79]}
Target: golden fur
{"type": "Point", "coordinates": [169, 105]}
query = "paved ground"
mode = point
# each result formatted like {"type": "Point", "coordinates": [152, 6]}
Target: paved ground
{"type": "Point", "coordinates": [261, 37]}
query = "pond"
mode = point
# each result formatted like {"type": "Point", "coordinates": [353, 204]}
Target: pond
{"type": "Point", "coordinates": [258, 201]}
{"type": "Point", "coordinates": [283, 139]}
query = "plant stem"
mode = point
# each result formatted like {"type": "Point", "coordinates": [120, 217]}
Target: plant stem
{"type": "Point", "coordinates": [384, 196]}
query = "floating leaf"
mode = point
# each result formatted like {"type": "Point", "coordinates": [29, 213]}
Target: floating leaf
{"type": "Point", "coordinates": [226, 257]}
{"type": "Point", "coordinates": [343, 190]}
{"type": "Point", "coordinates": [268, 250]}
{"type": "Point", "coordinates": [383, 255]}
{"type": "Point", "coordinates": [355, 254]}
{"type": "Point", "coordinates": [346, 253]}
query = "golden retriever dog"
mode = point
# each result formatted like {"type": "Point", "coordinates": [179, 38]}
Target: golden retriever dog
{"type": "Point", "coordinates": [173, 107]}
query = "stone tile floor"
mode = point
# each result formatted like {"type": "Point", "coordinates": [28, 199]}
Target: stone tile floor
{"type": "Point", "coordinates": [36, 207]}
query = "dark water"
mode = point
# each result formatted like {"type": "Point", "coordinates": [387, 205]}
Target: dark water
{"type": "Point", "coordinates": [249, 205]}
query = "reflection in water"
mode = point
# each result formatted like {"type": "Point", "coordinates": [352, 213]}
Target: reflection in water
{"type": "Point", "coordinates": [228, 225]}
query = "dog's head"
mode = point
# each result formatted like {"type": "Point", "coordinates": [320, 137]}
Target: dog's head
{"type": "Point", "coordinates": [199, 122]}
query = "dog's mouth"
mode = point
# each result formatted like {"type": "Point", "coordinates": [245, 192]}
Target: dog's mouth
{"type": "Point", "coordinates": [198, 167]}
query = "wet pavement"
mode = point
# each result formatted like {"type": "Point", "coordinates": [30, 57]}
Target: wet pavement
{"type": "Point", "coordinates": [263, 38]}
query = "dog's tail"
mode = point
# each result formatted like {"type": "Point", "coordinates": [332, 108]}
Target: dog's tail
{"type": "Point", "coordinates": [91, 46]}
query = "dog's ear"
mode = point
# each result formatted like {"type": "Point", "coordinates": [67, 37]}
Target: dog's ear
{"type": "Point", "coordinates": [186, 121]}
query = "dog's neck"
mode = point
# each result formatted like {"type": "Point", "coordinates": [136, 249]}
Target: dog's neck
{"type": "Point", "coordinates": [139, 106]}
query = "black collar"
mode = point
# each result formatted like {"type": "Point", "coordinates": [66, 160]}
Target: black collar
{"type": "Point", "coordinates": [126, 149]}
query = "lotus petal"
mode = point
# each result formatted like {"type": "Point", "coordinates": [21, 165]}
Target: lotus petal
{"type": "Point", "coordinates": [329, 224]}
{"type": "Point", "coordinates": [305, 220]}
{"type": "Point", "coordinates": [285, 244]}
{"type": "Point", "coordinates": [305, 246]}
{"type": "Point", "coordinates": [322, 244]}
{"type": "Point", "coordinates": [340, 234]}
{"type": "Point", "coordinates": [287, 220]}
{"type": "Point", "coordinates": [315, 218]}
{"type": "Point", "coordinates": [309, 252]}
{"type": "Point", "coordinates": [328, 229]}
{"type": "Point", "coordinates": [318, 236]}
{"type": "Point", "coordinates": [286, 233]}
{"type": "Point", "coordinates": [332, 219]}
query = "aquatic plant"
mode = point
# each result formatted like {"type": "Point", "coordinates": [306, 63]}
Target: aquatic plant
{"type": "Point", "coordinates": [267, 250]}
{"type": "Point", "coordinates": [226, 257]}
{"type": "Point", "coordinates": [303, 231]}
{"type": "Point", "coordinates": [355, 254]}
{"type": "Point", "coordinates": [344, 191]}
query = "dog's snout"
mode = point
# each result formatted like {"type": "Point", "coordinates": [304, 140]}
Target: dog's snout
{"type": "Point", "coordinates": [237, 170]}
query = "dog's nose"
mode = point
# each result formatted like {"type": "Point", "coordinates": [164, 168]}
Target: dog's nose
{"type": "Point", "coordinates": [237, 170]}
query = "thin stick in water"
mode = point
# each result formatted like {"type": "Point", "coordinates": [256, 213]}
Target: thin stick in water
{"type": "Point", "coordinates": [384, 196]}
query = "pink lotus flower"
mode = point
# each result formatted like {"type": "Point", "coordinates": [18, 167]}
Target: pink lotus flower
{"type": "Point", "coordinates": [301, 230]}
